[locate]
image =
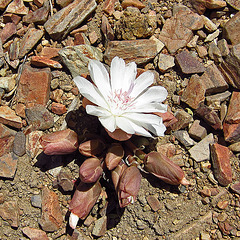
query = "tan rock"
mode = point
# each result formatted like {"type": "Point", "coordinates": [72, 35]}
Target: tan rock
{"type": "Point", "coordinates": [9, 211]}
{"type": "Point", "coordinates": [132, 3]}
{"type": "Point", "coordinates": [17, 7]}
{"type": "Point", "coordinates": [51, 219]}
{"type": "Point", "coordinates": [9, 117]}
{"type": "Point", "coordinates": [35, 234]}
{"type": "Point", "coordinates": [139, 51]}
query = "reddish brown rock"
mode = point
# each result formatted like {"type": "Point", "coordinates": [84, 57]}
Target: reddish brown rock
{"type": "Point", "coordinates": [20, 110]}
{"type": "Point", "coordinates": [177, 31]}
{"type": "Point", "coordinates": [10, 17]}
{"type": "Point", "coordinates": [65, 20]}
{"type": "Point", "coordinates": [35, 234]}
{"type": "Point", "coordinates": [107, 29]}
{"type": "Point", "coordinates": [213, 80]}
{"type": "Point", "coordinates": [49, 52]}
{"type": "Point", "coordinates": [9, 211]}
{"type": "Point", "coordinates": [194, 93]}
{"type": "Point", "coordinates": [188, 63]}
{"type": "Point", "coordinates": [34, 85]}
{"type": "Point", "coordinates": [6, 144]}
{"type": "Point", "coordinates": [225, 227]}
{"type": "Point", "coordinates": [231, 30]}
{"type": "Point", "coordinates": [231, 132]}
{"type": "Point", "coordinates": [58, 108]}
{"type": "Point", "coordinates": [197, 131]}
{"type": "Point", "coordinates": [39, 3]}
{"type": "Point", "coordinates": [40, 61]}
{"type": "Point", "coordinates": [209, 116]}
{"type": "Point", "coordinates": [139, 51]}
{"type": "Point", "coordinates": [29, 40]}
{"type": "Point", "coordinates": [231, 67]}
{"type": "Point", "coordinates": [39, 16]}
{"type": "Point", "coordinates": [132, 3]}
{"type": "Point", "coordinates": [220, 156]}
{"type": "Point", "coordinates": [80, 38]}
{"type": "Point", "coordinates": [167, 149]}
{"type": "Point", "coordinates": [5, 131]}
{"type": "Point", "coordinates": [108, 6]}
{"type": "Point", "coordinates": [201, 5]}
{"type": "Point", "coordinates": [4, 3]}
{"type": "Point", "coordinates": [17, 7]}
{"type": "Point", "coordinates": [154, 203]}
{"type": "Point", "coordinates": [93, 37]}
{"type": "Point", "coordinates": [63, 3]}
{"type": "Point", "coordinates": [51, 219]}
{"type": "Point", "coordinates": [236, 187]}
{"type": "Point", "coordinates": [183, 120]}
{"type": "Point", "coordinates": [8, 31]}
{"type": "Point", "coordinates": [8, 117]}
{"type": "Point", "coordinates": [233, 114]}
{"type": "Point", "coordinates": [8, 165]}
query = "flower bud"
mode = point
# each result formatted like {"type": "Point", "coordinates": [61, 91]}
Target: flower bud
{"type": "Point", "coordinates": [163, 168]}
{"type": "Point", "coordinates": [58, 143]}
{"type": "Point", "coordinates": [129, 185]}
{"type": "Point", "coordinates": [90, 170]}
{"type": "Point", "coordinates": [117, 173]}
{"type": "Point", "coordinates": [114, 155]}
{"type": "Point", "coordinates": [83, 201]}
{"type": "Point", "coordinates": [92, 147]}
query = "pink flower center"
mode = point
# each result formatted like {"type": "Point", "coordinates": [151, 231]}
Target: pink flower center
{"type": "Point", "coordinates": [120, 102]}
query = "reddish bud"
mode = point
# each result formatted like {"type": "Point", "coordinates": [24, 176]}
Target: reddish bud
{"type": "Point", "coordinates": [90, 170]}
{"type": "Point", "coordinates": [58, 143]}
{"type": "Point", "coordinates": [117, 173]}
{"type": "Point", "coordinates": [163, 168]}
{"type": "Point", "coordinates": [83, 201]}
{"type": "Point", "coordinates": [92, 147]}
{"type": "Point", "coordinates": [114, 155]}
{"type": "Point", "coordinates": [129, 185]}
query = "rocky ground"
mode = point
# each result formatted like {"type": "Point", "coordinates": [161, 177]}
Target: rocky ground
{"type": "Point", "coordinates": [193, 48]}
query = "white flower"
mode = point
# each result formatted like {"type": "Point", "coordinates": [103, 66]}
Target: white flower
{"type": "Point", "coordinates": [123, 101]}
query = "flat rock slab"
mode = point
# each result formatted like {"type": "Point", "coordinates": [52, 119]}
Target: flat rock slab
{"type": "Point", "coordinates": [194, 93]}
{"type": "Point", "coordinates": [17, 7]}
{"type": "Point", "coordinates": [201, 151]}
{"type": "Point", "coordinates": [8, 165]}
{"type": "Point", "coordinates": [34, 85]}
{"type": "Point", "coordinates": [233, 114]}
{"type": "Point", "coordinates": [188, 63]}
{"type": "Point", "coordinates": [9, 117]}
{"type": "Point", "coordinates": [220, 156]}
{"type": "Point", "coordinates": [177, 31]}
{"type": "Point", "coordinates": [231, 30]}
{"type": "Point", "coordinates": [213, 80]}
{"type": "Point", "coordinates": [209, 116]}
{"type": "Point", "coordinates": [139, 51]}
{"type": "Point", "coordinates": [34, 233]}
{"type": "Point", "coordinates": [234, 3]}
{"type": "Point", "coordinates": [9, 211]}
{"type": "Point", "coordinates": [165, 62]}
{"type": "Point", "coordinates": [76, 58]}
{"type": "Point", "coordinates": [65, 20]}
{"type": "Point", "coordinates": [231, 132]}
{"type": "Point", "coordinates": [51, 219]}
{"type": "Point", "coordinates": [30, 39]}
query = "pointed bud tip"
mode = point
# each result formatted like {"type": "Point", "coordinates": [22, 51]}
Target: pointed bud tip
{"type": "Point", "coordinates": [184, 181]}
{"type": "Point", "coordinates": [73, 220]}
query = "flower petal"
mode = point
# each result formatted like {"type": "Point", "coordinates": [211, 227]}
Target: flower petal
{"type": "Point", "coordinates": [97, 111]}
{"type": "Point", "coordinates": [89, 91]}
{"type": "Point", "coordinates": [100, 76]}
{"type": "Point", "coordinates": [125, 124]}
{"type": "Point", "coordinates": [149, 122]}
{"type": "Point", "coordinates": [117, 72]}
{"type": "Point", "coordinates": [130, 73]}
{"type": "Point", "coordinates": [150, 108]}
{"type": "Point", "coordinates": [152, 94]}
{"type": "Point", "coordinates": [108, 122]}
{"type": "Point", "coordinates": [141, 83]}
